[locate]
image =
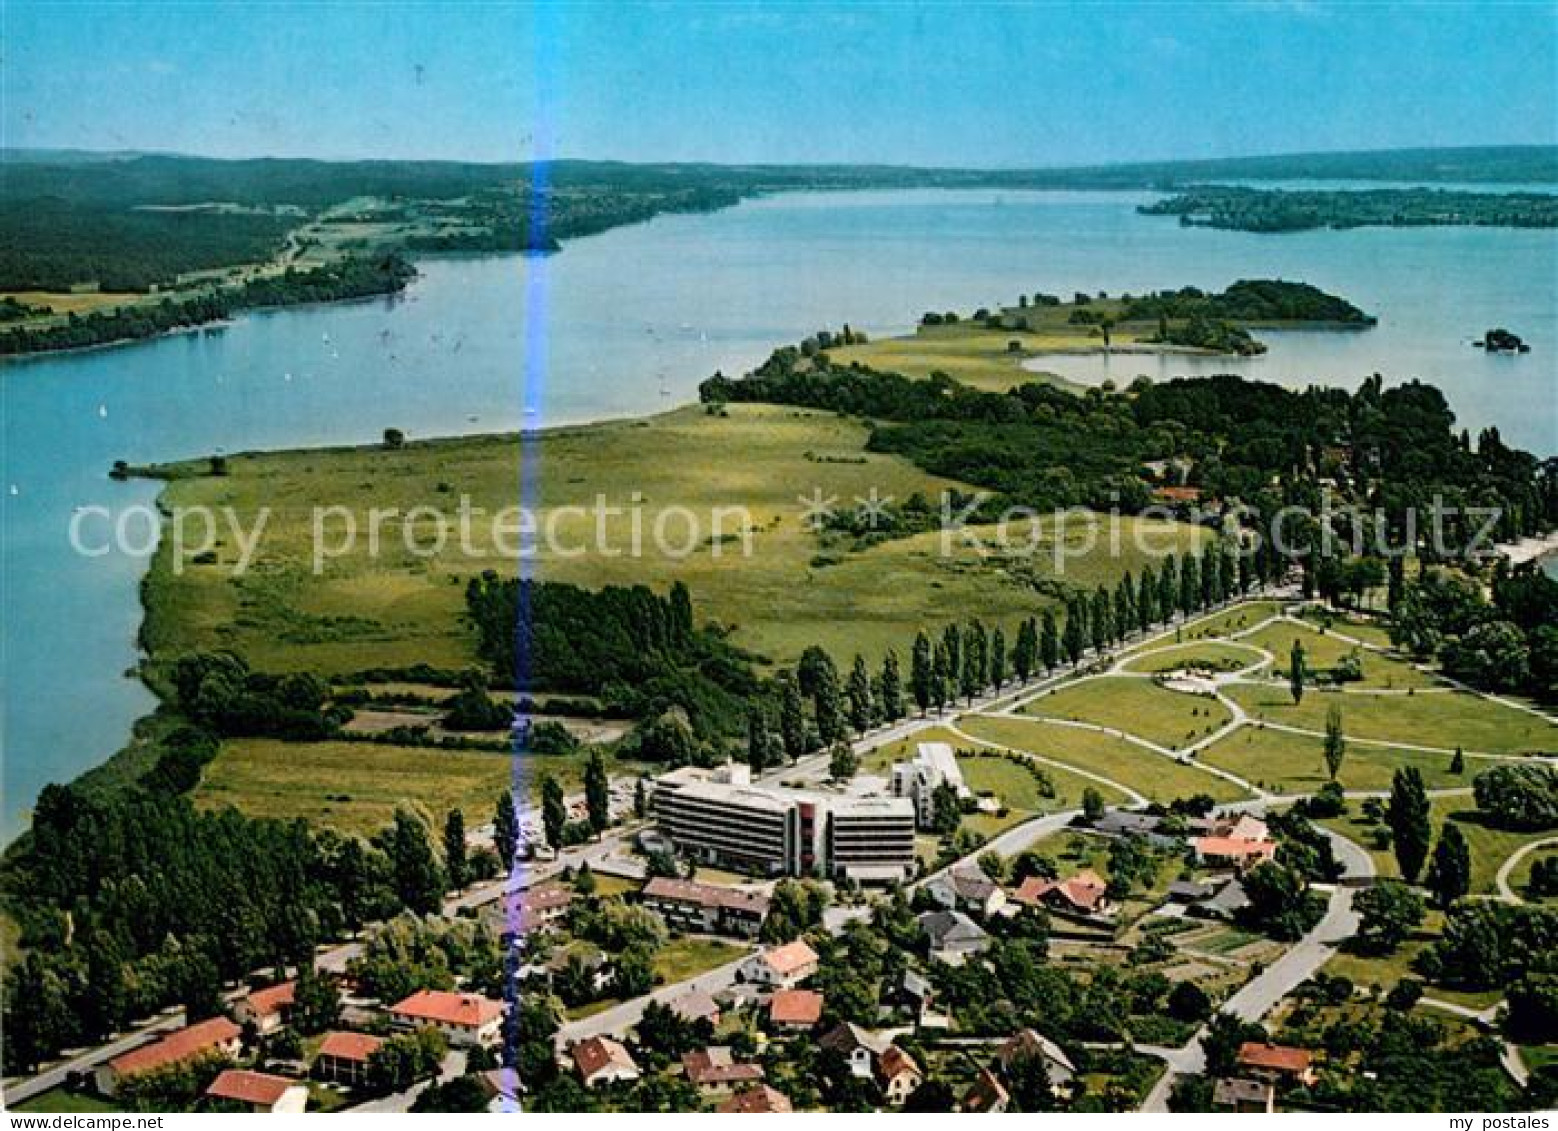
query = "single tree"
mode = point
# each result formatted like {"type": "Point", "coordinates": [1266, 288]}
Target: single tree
{"type": "Point", "coordinates": [554, 810]}
{"type": "Point", "coordinates": [922, 673]}
{"type": "Point", "coordinates": [843, 763]}
{"type": "Point", "coordinates": [1092, 804]}
{"type": "Point", "coordinates": [505, 831]}
{"type": "Point", "coordinates": [1409, 817]}
{"type": "Point", "coordinates": [454, 850]}
{"type": "Point", "coordinates": [1296, 671]}
{"type": "Point", "coordinates": [1449, 874]}
{"type": "Point", "coordinates": [1025, 652]}
{"type": "Point", "coordinates": [792, 717]}
{"type": "Point", "coordinates": [1388, 912]}
{"type": "Point", "coordinates": [1049, 642]}
{"type": "Point", "coordinates": [1335, 741]}
{"type": "Point", "coordinates": [597, 792]}
{"type": "Point", "coordinates": [1458, 762]}
{"type": "Point", "coordinates": [997, 659]}
{"type": "Point", "coordinates": [419, 881]}
{"type": "Point", "coordinates": [860, 699]}
{"type": "Point", "coordinates": [892, 687]}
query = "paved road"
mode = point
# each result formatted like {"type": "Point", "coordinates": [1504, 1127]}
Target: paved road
{"type": "Point", "coordinates": [1506, 892]}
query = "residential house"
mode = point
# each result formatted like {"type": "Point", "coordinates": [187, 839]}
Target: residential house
{"type": "Point", "coordinates": [1027, 1043]}
{"type": "Point", "coordinates": [897, 1075]}
{"type": "Point", "coordinates": [267, 1009]}
{"type": "Point", "coordinates": [695, 1005]}
{"type": "Point", "coordinates": [1277, 1064]}
{"type": "Point", "coordinates": [706, 908]}
{"type": "Point", "coordinates": [794, 1010]}
{"type": "Point", "coordinates": [1244, 1096]}
{"type": "Point", "coordinates": [343, 1057]}
{"type": "Point", "coordinates": [1188, 892]}
{"type": "Point", "coordinates": [714, 1071]}
{"type": "Point", "coordinates": [1084, 895]}
{"type": "Point", "coordinates": [534, 910]}
{"type": "Point", "coordinates": [1230, 852]}
{"type": "Point", "coordinates": [218, 1035]}
{"type": "Point", "coordinates": [871, 1057]}
{"type": "Point", "coordinates": [259, 1092]}
{"type": "Point", "coordinates": [988, 1096]}
{"type": "Point", "coordinates": [468, 1020]}
{"type": "Point", "coordinates": [760, 1100]}
{"type": "Point", "coordinates": [953, 936]}
{"type": "Point", "coordinates": [602, 1060]}
{"type": "Point", "coordinates": [780, 967]}
{"type": "Point", "coordinates": [1123, 822]}
{"type": "Point", "coordinates": [1225, 904]}
{"type": "Point", "coordinates": [913, 992]}
{"type": "Point", "coordinates": [967, 889]}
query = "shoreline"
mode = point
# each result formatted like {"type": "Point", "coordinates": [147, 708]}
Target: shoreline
{"type": "Point", "coordinates": [1532, 549]}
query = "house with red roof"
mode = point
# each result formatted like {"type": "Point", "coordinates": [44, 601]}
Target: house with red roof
{"type": "Point", "coordinates": [794, 1010]}
{"type": "Point", "coordinates": [258, 1092]}
{"type": "Point", "coordinates": [715, 1071]}
{"type": "Point", "coordinates": [468, 1020]}
{"type": "Point", "coordinates": [1233, 852]}
{"type": "Point", "coordinates": [343, 1057]}
{"type": "Point", "coordinates": [780, 966]}
{"type": "Point", "coordinates": [602, 1060]}
{"type": "Point", "coordinates": [1084, 894]}
{"type": "Point", "coordinates": [267, 1009]}
{"type": "Point", "coordinates": [1276, 1064]}
{"type": "Point", "coordinates": [759, 1100]}
{"type": "Point", "coordinates": [988, 1096]}
{"type": "Point", "coordinates": [218, 1036]}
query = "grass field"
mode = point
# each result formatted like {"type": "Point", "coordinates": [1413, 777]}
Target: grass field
{"type": "Point", "coordinates": [685, 958]}
{"type": "Point", "coordinates": [1294, 763]}
{"type": "Point", "coordinates": [398, 608]}
{"type": "Point", "coordinates": [1231, 620]}
{"type": "Point", "coordinates": [1169, 718]}
{"type": "Point", "coordinates": [1210, 655]}
{"type": "Point", "coordinates": [58, 1100]}
{"type": "Point", "coordinates": [351, 786]}
{"type": "Point", "coordinates": [1440, 720]}
{"type": "Point", "coordinates": [1323, 651]}
{"type": "Point", "coordinates": [1153, 775]}
{"type": "Point", "coordinates": [1490, 847]}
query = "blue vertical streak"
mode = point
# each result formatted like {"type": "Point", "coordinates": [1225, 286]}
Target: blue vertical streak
{"type": "Point", "coordinates": [533, 375]}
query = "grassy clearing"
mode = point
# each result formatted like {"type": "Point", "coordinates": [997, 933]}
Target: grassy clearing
{"type": "Point", "coordinates": [59, 1100]}
{"type": "Point", "coordinates": [1439, 720]}
{"type": "Point", "coordinates": [1139, 706]}
{"type": "Point", "coordinates": [1323, 651]}
{"type": "Point", "coordinates": [1294, 763]}
{"type": "Point", "coordinates": [1209, 655]}
{"type": "Point", "coordinates": [1370, 632]}
{"type": "Point", "coordinates": [1015, 785]}
{"type": "Point", "coordinates": [351, 786]}
{"type": "Point", "coordinates": [685, 958]}
{"type": "Point", "coordinates": [1490, 846]}
{"type": "Point", "coordinates": [1385, 970]}
{"type": "Point", "coordinates": [399, 608]}
{"type": "Point", "coordinates": [1152, 775]}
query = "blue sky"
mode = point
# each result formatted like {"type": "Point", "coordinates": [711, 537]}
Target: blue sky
{"type": "Point", "coordinates": [964, 84]}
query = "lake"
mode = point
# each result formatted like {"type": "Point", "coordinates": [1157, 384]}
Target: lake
{"type": "Point", "coordinates": [630, 322]}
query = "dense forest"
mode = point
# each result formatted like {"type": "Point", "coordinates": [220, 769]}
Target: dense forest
{"type": "Point", "coordinates": [1252, 302]}
{"type": "Point", "coordinates": [1289, 210]}
{"type": "Point", "coordinates": [345, 279]}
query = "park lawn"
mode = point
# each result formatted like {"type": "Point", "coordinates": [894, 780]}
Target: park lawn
{"type": "Point", "coordinates": [1283, 762]}
{"type": "Point", "coordinates": [1210, 655]}
{"type": "Point", "coordinates": [1154, 776]}
{"type": "Point", "coordinates": [1138, 706]}
{"type": "Point", "coordinates": [968, 354]}
{"type": "Point", "coordinates": [685, 958]}
{"type": "Point", "coordinates": [1385, 970]}
{"type": "Point", "coordinates": [1370, 632]}
{"type": "Point", "coordinates": [1439, 720]}
{"type": "Point", "coordinates": [353, 786]}
{"type": "Point", "coordinates": [1489, 846]}
{"type": "Point", "coordinates": [1229, 621]}
{"type": "Point", "coordinates": [62, 1101]}
{"type": "Point", "coordinates": [748, 464]}
{"type": "Point", "coordinates": [1323, 651]}
{"type": "Point", "coordinates": [1015, 783]}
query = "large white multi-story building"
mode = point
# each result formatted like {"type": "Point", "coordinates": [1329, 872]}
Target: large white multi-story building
{"type": "Point", "coordinates": [721, 817]}
{"type": "Point", "coordinates": [934, 763]}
